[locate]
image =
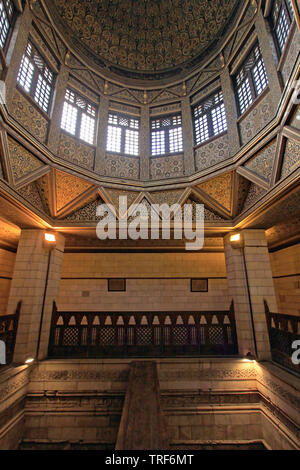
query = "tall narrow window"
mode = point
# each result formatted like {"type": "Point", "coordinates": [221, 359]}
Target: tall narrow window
{"type": "Point", "coordinates": [36, 78]}
{"type": "Point", "coordinates": [166, 135]}
{"type": "Point", "coordinates": [282, 17]}
{"type": "Point", "coordinates": [79, 117]}
{"type": "Point", "coordinates": [209, 118]}
{"type": "Point", "coordinates": [251, 80]}
{"type": "Point", "coordinates": [7, 13]}
{"type": "Point", "coordinates": [123, 134]}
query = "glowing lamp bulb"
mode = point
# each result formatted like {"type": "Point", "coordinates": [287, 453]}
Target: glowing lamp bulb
{"type": "Point", "coordinates": [235, 238]}
{"type": "Point", "coordinates": [50, 238]}
{"type": "Point", "coordinates": [29, 361]}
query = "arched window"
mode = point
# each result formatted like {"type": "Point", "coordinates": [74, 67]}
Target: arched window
{"type": "Point", "coordinates": [79, 117]}
{"type": "Point", "coordinates": [36, 78]}
{"type": "Point", "coordinates": [282, 17]}
{"type": "Point", "coordinates": [251, 79]}
{"type": "Point", "coordinates": [209, 118]}
{"type": "Point", "coordinates": [166, 135]}
{"type": "Point", "coordinates": [123, 134]}
{"type": "Point", "coordinates": [7, 16]}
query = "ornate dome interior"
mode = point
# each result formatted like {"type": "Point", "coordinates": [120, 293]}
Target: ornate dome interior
{"type": "Point", "coordinates": [146, 36]}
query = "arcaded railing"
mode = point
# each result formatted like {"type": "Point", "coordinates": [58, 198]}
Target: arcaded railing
{"type": "Point", "coordinates": [284, 331]}
{"type": "Point", "coordinates": [142, 334]}
{"type": "Point", "coordinates": [8, 334]}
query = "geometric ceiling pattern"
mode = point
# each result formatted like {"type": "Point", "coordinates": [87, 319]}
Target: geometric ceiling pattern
{"type": "Point", "coordinates": [262, 163]}
{"type": "Point", "coordinates": [68, 188]}
{"type": "Point", "coordinates": [66, 197]}
{"type": "Point", "coordinates": [148, 35]}
{"type": "Point", "coordinates": [220, 190]}
{"type": "Point", "coordinates": [62, 196]}
{"type": "Point", "coordinates": [23, 163]}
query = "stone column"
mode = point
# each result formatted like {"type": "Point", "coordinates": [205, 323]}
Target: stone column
{"type": "Point", "coordinates": [29, 286]}
{"type": "Point", "coordinates": [59, 97]}
{"type": "Point", "coordinates": [101, 134]}
{"type": "Point", "coordinates": [15, 52]}
{"type": "Point", "coordinates": [250, 283]}
{"type": "Point", "coordinates": [231, 112]}
{"type": "Point", "coordinates": [145, 144]}
{"type": "Point", "coordinates": [188, 138]}
{"type": "Point", "coordinates": [268, 50]}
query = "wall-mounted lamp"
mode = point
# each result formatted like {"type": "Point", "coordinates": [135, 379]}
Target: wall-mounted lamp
{"type": "Point", "coordinates": [49, 240]}
{"type": "Point", "coordinates": [236, 240]}
{"type": "Point", "coordinates": [29, 361]}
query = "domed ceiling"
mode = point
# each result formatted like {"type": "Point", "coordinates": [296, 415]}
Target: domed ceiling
{"type": "Point", "coordinates": [146, 36]}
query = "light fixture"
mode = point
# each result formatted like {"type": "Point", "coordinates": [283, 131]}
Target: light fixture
{"type": "Point", "coordinates": [29, 361]}
{"type": "Point", "coordinates": [49, 241]}
{"type": "Point", "coordinates": [50, 238]}
{"type": "Point", "coordinates": [236, 240]}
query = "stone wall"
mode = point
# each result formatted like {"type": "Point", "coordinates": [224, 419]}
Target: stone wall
{"type": "Point", "coordinates": [7, 261]}
{"type": "Point", "coordinates": [286, 271]}
{"type": "Point", "coordinates": [13, 389]}
{"type": "Point", "coordinates": [220, 401]}
{"type": "Point", "coordinates": [155, 281]}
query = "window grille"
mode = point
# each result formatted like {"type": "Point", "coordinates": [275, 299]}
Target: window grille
{"type": "Point", "coordinates": [123, 134]}
{"type": "Point", "coordinates": [166, 135]}
{"type": "Point", "coordinates": [209, 118]}
{"type": "Point", "coordinates": [36, 78]}
{"type": "Point", "coordinates": [7, 15]}
{"type": "Point", "coordinates": [282, 17]}
{"type": "Point", "coordinates": [79, 117]}
{"type": "Point", "coordinates": [251, 80]}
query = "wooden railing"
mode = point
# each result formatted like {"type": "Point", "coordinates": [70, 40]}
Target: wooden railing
{"type": "Point", "coordinates": [284, 330]}
{"type": "Point", "coordinates": [8, 332]}
{"type": "Point", "coordinates": [142, 334]}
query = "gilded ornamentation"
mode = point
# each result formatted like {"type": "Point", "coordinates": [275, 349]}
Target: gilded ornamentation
{"type": "Point", "coordinates": [166, 167]}
{"type": "Point", "coordinates": [115, 194]}
{"type": "Point", "coordinates": [262, 163]}
{"type": "Point", "coordinates": [120, 166]}
{"type": "Point", "coordinates": [68, 188]}
{"type": "Point", "coordinates": [220, 189]}
{"type": "Point", "coordinates": [256, 120]}
{"type": "Point", "coordinates": [43, 186]}
{"type": "Point", "coordinates": [291, 56]}
{"type": "Point", "coordinates": [32, 195]}
{"type": "Point", "coordinates": [22, 161]}
{"type": "Point", "coordinates": [76, 152]}
{"type": "Point", "coordinates": [254, 195]}
{"type": "Point", "coordinates": [167, 197]}
{"type": "Point", "coordinates": [146, 36]}
{"type": "Point", "coordinates": [291, 159]}
{"type": "Point", "coordinates": [243, 186]}
{"type": "Point", "coordinates": [208, 214]}
{"type": "Point", "coordinates": [213, 153]}
{"type": "Point", "coordinates": [88, 213]}
{"type": "Point", "coordinates": [29, 117]}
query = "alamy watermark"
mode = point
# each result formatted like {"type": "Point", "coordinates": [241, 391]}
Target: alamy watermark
{"type": "Point", "coordinates": [153, 221]}
{"type": "Point", "coordinates": [296, 355]}
{"type": "Point", "coordinates": [2, 353]}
